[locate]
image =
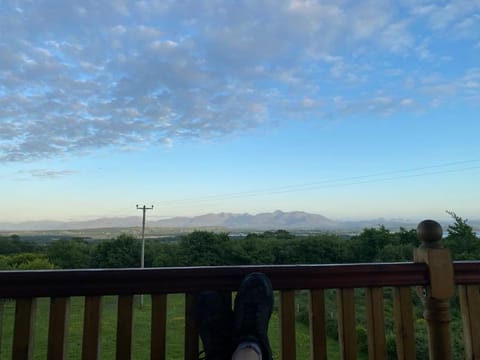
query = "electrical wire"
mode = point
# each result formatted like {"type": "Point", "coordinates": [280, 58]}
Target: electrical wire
{"type": "Point", "coordinates": [337, 182]}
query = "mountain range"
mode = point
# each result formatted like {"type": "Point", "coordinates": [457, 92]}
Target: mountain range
{"type": "Point", "coordinates": [294, 220]}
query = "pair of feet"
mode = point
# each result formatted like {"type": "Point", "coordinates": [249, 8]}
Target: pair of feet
{"type": "Point", "coordinates": [223, 330]}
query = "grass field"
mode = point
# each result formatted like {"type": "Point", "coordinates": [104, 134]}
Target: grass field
{"type": "Point", "coordinates": [141, 340]}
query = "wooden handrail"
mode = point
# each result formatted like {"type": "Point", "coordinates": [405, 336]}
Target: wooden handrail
{"type": "Point", "coordinates": [48, 283]}
{"type": "Point", "coordinates": [466, 272]}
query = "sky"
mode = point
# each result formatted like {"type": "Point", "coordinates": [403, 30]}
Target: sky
{"type": "Point", "coordinates": [349, 109]}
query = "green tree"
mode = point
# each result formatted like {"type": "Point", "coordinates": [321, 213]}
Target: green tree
{"type": "Point", "coordinates": [252, 250]}
{"type": "Point", "coordinates": [395, 252]}
{"type": "Point", "coordinates": [4, 263]}
{"type": "Point", "coordinates": [13, 245]}
{"type": "Point", "coordinates": [204, 248]}
{"type": "Point", "coordinates": [122, 252]}
{"type": "Point", "coordinates": [162, 254]}
{"type": "Point", "coordinates": [461, 239]}
{"type": "Point", "coordinates": [39, 263]}
{"type": "Point", "coordinates": [368, 245]}
{"type": "Point", "coordinates": [408, 237]}
{"type": "Point", "coordinates": [25, 261]}
{"type": "Point", "coordinates": [70, 254]}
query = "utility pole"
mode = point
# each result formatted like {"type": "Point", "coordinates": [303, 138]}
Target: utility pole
{"type": "Point", "coordinates": [142, 260]}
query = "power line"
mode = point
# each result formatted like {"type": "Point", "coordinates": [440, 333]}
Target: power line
{"type": "Point", "coordinates": [328, 183]}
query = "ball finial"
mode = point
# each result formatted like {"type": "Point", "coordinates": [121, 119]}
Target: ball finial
{"type": "Point", "coordinates": [430, 233]}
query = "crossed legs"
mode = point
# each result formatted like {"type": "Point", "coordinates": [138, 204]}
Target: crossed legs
{"type": "Point", "coordinates": [241, 334]}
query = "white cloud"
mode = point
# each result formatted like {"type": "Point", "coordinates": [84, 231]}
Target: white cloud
{"type": "Point", "coordinates": [46, 173]}
{"type": "Point", "coordinates": [422, 50]}
{"type": "Point", "coordinates": [449, 15]}
{"type": "Point", "coordinates": [407, 102]}
{"type": "Point", "coordinates": [308, 102]}
{"type": "Point", "coordinates": [441, 89]}
{"type": "Point", "coordinates": [371, 17]}
{"type": "Point", "coordinates": [76, 76]}
{"type": "Point", "coordinates": [378, 105]}
{"type": "Point", "coordinates": [397, 38]}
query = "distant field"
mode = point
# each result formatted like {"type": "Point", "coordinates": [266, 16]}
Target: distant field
{"type": "Point", "coordinates": [141, 345]}
{"type": "Point", "coordinates": [104, 233]}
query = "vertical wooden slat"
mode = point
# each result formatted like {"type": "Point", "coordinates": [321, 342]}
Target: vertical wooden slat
{"type": "Point", "coordinates": [404, 330]}
{"type": "Point", "coordinates": [318, 333]}
{"type": "Point", "coordinates": [473, 292]}
{"type": "Point", "coordinates": [58, 328]}
{"type": "Point", "coordinates": [470, 308]}
{"type": "Point", "coordinates": [377, 348]}
{"type": "Point", "coordinates": [23, 332]}
{"type": "Point", "coordinates": [191, 333]}
{"type": "Point", "coordinates": [287, 325]}
{"type": "Point", "coordinates": [124, 327]}
{"type": "Point", "coordinates": [159, 327]}
{"type": "Point", "coordinates": [2, 304]}
{"type": "Point", "coordinates": [347, 332]}
{"type": "Point", "coordinates": [91, 328]}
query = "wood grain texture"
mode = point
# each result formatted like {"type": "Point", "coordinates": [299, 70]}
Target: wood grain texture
{"type": "Point", "coordinates": [318, 331]}
{"type": "Point", "coordinates": [23, 332]}
{"type": "Point", "coordinates": [287, 325]}
{"type": "Point", "coordinates": [191, 333]}
{"type": "Point", "coordinates": [91, 328]}
{"type": "Point", "coordinates": [375, 315]}
{"type": "Point", "coordinates": [159, 327]}
{"type": "Point", "coordinates": [347, 332]}
{"type": "Point", "coordinates": [124, 327]}
{"type": "Point", "coordinates": [470, 309]}
{"type": "Point", "coordinates": [58, 328]}
{"type": "Point", "coordinates": [2, 307]}
{"type": "Point", "coordinates": [99, 282]}
{"type": "Point", "coordinates": [404, 330]}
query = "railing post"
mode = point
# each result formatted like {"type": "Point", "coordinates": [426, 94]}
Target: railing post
{"type": "Point", "coordinates": [436, 296]}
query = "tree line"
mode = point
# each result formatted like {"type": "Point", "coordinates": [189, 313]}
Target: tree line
{"type": "Point", "coordinates": [203, 248]}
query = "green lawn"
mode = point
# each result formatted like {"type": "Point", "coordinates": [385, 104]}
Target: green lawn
{"type": "Point", "coordinates": [141, 345]}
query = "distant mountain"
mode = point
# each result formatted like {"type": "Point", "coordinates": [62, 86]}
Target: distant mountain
{"type": "Point", "coordinates": [71, 225]}
{"type": "Point", "coordinates": [263, 221]}
{"type": "Point", "coordinates": [294, 220]}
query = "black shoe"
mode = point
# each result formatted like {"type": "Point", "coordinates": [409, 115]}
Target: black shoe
{"type": "Point", "coordinates": [253, 308]}
{"type": "Point", "coordinates": [214, 317]}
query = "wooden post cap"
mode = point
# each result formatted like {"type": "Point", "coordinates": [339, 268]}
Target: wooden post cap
{"type": "Point", "coordinates": [430, 233]}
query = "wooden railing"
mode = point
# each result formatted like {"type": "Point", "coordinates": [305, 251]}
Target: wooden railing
{"type": "Point", "coordinates": [61, 285]}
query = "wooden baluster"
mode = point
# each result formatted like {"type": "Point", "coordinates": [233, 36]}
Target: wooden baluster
{"type": "Point", "coordinates": [287, 325]}
{"type": "Point", "coordinates": [347, 332]}
{"type": "Point", "coordinates": [318, 331]}
{"type": "Point", "coordinates": [2, 307]}
{"type": "Point", "coordinates": [23, 332]}
{"type": "Point", "coordinates": [191, 333]}
{"type": "Point", "coordinates": [91, 328]}
{"type": "Point", "coordinates": [404, 330]}
{"type": "Point", "coordinates": [377, 348]}
{"type": "Point", "coordinates": [58, 328]}
{"type": "Point", "coordinates": [124, 327]}
{"type": "Point", "coordinates": [159, 327]}
{"type": "Point", "coordinates": [441, 288]}
{"type": "Point", "coordinates": [470, 307]}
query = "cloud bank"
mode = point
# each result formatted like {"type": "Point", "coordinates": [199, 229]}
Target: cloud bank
{"type": "Point", "coordinates": [76, 76]}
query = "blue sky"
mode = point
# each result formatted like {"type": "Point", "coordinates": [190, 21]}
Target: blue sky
{"type": "Point", "coordinates": [350, 109]}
